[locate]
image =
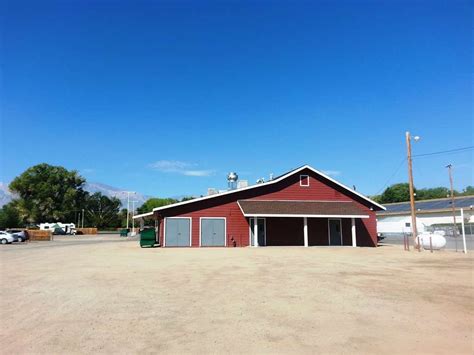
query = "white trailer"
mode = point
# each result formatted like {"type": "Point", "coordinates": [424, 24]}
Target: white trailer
{"type": "Point", "coordinates": [65, 228]}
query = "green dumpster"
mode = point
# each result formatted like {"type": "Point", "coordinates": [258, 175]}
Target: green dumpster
{"type": "Point", "coordinates": [124, 232]}
{"type": "Point", "coordinates": [148, 237]}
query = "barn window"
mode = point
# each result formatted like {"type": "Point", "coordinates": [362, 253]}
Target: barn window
{"type": "Point", "coordinates": [304, 180]}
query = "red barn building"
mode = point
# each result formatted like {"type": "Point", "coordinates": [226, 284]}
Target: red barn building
{"type": "Point", "coordinates": [302, 207]}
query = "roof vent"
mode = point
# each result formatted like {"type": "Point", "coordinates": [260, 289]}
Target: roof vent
{"type": "Point", "coordinates": [212, 191]}
{"type": "Point", "coordinates": [242, 183]}
{"type": "Point", "coordinates": [271, 177]}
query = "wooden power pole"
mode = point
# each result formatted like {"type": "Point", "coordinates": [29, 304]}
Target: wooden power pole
{"type": "Point", "coordinates": [412, 190]}
{"type": "Point", "coordinates": [453, 207]}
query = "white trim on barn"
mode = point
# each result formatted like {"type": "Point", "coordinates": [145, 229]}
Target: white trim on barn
{"type": "Point", "coordinates": [353, 232]}
{"type": "Point", "coordinates": [264, 228]}
{"type": "Point", "coordinates": [143, 215]}
{"type": "Point", "coordinates": [305, 215]}
{"type": "Point", "coordinates": [303, 177]}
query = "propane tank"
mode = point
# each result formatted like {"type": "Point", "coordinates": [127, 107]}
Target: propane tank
{"type": "Point", "coordinates": [437, 241]}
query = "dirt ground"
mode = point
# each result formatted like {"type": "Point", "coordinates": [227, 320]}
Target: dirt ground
{"type": "Point", "coordinates": [107, 295]}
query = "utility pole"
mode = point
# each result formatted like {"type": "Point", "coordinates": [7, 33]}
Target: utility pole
{"type": "Point", "coordinates": [82, 218]}
{"type": "Point", "coordinates": [412, 189]}
{"type": "Point", "coordinates": [453, 207]}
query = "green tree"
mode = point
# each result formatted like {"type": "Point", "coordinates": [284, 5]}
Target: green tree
{"type": "Point", "coordinates": [9, 216]}
{"type": "Point", "coordinates": [431, 193]}
{"type": "Point", "coordinates": [123, 217]}
{"type": "Point", "coordinates": [48, 193]}
{"type": "Point", "coordinates": [400, 193]}
{"type": "Point", "coordinates": [395, 193]}
{"type": "Point", "coordinates": [152, 203]}
{"type": "Point", "coordinates": [102, 211]}
{"type": "Point", "coordinates": [187, 198]}
{"type": "Point", "coordinates": [468, 191]}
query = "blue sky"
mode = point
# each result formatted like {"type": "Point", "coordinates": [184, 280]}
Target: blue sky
{"type": "Point", "coordinates": [166, 97]}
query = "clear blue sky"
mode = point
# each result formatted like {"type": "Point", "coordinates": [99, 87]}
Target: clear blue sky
{"type": "Point", "coordinates": [166, 97]}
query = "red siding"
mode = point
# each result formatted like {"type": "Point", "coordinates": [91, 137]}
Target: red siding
{"type": "Point", "coordinates": [317, 190]}
{"type": "Point", "coordinates": [237, 227]}
{"type": "Point", "coordinates": [288, 189]}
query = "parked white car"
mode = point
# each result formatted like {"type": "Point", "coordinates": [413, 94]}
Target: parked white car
{"type": "Point", "coordinates": [6, 238]}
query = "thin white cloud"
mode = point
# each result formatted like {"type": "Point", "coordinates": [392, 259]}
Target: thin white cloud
{"type": "Point", "coordinates": [170, 166]}
{"type": "Point", "coordinates": [198, 172]}
{"type": "Point", "coordinates": [332, 172]}
{"type": "Point", "coordinates": [179, 167]}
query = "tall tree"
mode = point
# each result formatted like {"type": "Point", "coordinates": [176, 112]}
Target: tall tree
{"type": "Point", "coordinates": [9, 216]}
{"type": "Point", "coordinates": [48, 193]}
{"type": "Point", "coordinates": [152, 203]}
{"type": "Point", "coordinates": [468, 191]}
{"type": "Point", "coordinates": [102, 211]}
{"type": "Point", "coordinates": [431, 193]}
{"type": "Point", "coordinates": [395, 193]}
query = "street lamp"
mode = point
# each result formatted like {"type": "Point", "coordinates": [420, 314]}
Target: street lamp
{"type": "Point", "coordinates": [128, 203]}
{"type": "Point", "coordinates": [411, 186]}
{"type": "Point", "coordinates": [133, 215]}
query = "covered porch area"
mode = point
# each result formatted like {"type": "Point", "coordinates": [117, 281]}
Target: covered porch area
{"type": "Point", "coordinates": [305, 223]}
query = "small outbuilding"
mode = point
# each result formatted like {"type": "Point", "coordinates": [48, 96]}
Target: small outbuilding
{"type": "Point", "coordinates": [436, 214]}
{"type": "Point", "coordinates": [301, 207]}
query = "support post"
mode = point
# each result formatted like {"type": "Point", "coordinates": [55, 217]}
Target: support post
{"type": "Point", "coordinates": [305, 230]}
{"type": "Point", "coordinates": [353, 230]}
{"type": "Point", "coordinates": [463, 232]}
{"type": "Point", "coordinates": [453, 207]}
{"type": "Point", "coordinates": [255, 232]}
{"type": "Point", "coordinates": [157, 230]}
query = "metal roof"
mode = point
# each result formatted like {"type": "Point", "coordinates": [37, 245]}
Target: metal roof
{"type": "Point", "coordinates": [429, 205]}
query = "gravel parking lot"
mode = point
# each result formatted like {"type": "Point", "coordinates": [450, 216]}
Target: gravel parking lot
{"type": "Point", "coordinates": [104, 294]}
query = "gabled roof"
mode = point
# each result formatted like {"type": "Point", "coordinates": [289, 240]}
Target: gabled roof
{"type": "Point", "coordinates": [274, 181]}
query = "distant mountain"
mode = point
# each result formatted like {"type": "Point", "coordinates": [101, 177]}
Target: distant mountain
{"type": "Point", "coordinates": [6, 195]}
{"type": "Point", "coordinates": [111, 191]}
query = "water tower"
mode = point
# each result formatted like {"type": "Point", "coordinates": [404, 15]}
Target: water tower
{"type": "Point", "coordinates": [232, 180]}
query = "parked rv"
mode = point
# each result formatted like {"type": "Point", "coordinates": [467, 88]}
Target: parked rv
{"type": "Point", "coordinates": [59, 228]}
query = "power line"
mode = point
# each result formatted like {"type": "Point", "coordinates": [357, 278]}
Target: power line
{"type": "Point", "coordinates": [422, 155]}
{"type": "Point", "coordinates": [445, 151]}
{"type": "Point", "coordinates": [391, 176]}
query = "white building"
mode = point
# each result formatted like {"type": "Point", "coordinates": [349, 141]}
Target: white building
{"type": "Point", "coordinates": [430, 214]}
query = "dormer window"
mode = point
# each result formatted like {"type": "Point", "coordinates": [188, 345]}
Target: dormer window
{"type": "Point", "coordinates": [304, 180]}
